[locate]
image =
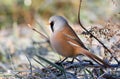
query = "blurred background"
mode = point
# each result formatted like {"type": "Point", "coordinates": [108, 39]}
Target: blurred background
{"type": "Point", "coordinates": [17, 40]}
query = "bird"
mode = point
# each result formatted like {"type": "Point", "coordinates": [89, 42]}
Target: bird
{"type": "Point", "coordinates": [65, 41]}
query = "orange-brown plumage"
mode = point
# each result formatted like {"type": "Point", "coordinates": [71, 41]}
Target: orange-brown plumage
{"type": "Point", "coordinates": [65, 41]}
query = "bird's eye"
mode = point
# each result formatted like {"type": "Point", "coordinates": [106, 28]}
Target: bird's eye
{"type": "Point", "coordinates": [51, 25]}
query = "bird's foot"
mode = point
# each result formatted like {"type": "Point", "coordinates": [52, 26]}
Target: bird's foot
{"type": "Point", "coordinates": [60, 62]}
{"type": "Point", "coordinates": [71, 61]}
{"type": "Point", "coordinates": [64, 63]}
{"type": "Point", "coordinates": [91, 63]}
{"type": "Point", "coordinates": [81, 61]}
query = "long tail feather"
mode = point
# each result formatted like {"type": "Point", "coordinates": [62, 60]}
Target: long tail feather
{"type": "Point", "coordinates": [94, 57]}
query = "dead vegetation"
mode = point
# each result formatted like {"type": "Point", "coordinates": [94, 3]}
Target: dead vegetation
{"type": "Point", "coordinates": [108, 34]}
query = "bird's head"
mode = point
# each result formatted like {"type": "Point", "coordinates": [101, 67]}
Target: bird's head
{"type": "Point", "coordinates": [57, 23]}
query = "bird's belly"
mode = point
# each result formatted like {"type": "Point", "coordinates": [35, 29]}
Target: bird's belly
{"type": "Point", "coordinates": [61, 46]}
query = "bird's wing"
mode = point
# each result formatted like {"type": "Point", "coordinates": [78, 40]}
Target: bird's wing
{"type": "Point", "coordinates": [77, 40]}
{"type": "Point", "coordinates": [70, 34]}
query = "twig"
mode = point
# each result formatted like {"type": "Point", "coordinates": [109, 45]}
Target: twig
{"type": "Point", "coordinates": [40, 23]}
{"type": "Point", "coordinates": [39, 32]}
{"type": "Point", "coordinates": [93, 35]}
{"type": "Point", "coordinates": [67, 65]}
{"type": "Point", "coordinates": [30, 65]}
{"type": "Point", "coordinates": [11, 62]}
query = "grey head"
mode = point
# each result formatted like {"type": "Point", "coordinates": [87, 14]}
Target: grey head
{"type": "Point", "coordinates": [57, 23]}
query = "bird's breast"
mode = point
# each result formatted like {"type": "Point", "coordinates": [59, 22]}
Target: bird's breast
{"type": "Point", "coordinates": [60, 45]}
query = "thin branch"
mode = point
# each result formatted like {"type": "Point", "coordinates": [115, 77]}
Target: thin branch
{"type": "Point", "coordinates": [30, 65]}
{"type": "Point", "coordinates": [86, 64]}
{"type": "Point", "coordinates": [93, 35]}
{"type": "Point", "coordinates": [39, 32]}
{"type": "Point", "coordinates": [41, 26]}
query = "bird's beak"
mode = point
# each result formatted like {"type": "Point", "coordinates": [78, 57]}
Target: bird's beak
{"type": "Point", "coordinates": [48, 24]}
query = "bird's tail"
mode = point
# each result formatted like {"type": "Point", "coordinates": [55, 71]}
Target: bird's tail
{"type": "Point", "coordinates": [81, 50]}
{"type": "Point", "coordinates": [94, 57]}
